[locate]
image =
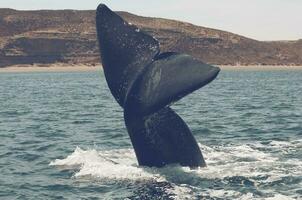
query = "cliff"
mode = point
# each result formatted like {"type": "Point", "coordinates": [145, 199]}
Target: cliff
{"type": "Point", "coordinates": [69, 36]}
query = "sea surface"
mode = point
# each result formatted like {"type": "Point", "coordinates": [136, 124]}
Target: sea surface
{"type": "Point", "coordinates": [62, 136]}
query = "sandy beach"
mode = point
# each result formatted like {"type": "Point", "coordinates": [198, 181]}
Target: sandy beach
{"type": "Point", "coordinates": [260, 67]}
{"type": "Point", "coordinates": [79, 68]}
{"type": "Point", "coordinates": [50, 68]}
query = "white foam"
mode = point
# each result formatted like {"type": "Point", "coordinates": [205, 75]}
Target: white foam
{"type": "Point", "coordinates": [230, 194]}
{"type": "Point", "coordinates": [117, 164]}
{"type": "Point", "coordinates": [245, 160]}
{"type": "Point", "coordinates": [78, 158]}
{"type": "Point", "coordinates": [236, 160]}
{"type": "Point", "coordinates": [279, 197]}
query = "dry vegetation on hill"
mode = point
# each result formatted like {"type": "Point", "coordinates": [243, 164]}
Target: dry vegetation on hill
{"type": "Point", "coordinates": [68, 36]}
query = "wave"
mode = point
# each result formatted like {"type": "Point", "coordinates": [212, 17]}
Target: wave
{"type": "Point", "coordinates": [245, 171]}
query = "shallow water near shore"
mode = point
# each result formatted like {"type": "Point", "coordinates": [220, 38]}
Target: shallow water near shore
{"type": "Point", "coordinates": [62, 136]}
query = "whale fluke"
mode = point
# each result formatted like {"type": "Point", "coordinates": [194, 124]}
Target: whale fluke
{"type": "Point", "coordinates": [125, 51]}
{"type": "Point", "coordinates": [145, 82]}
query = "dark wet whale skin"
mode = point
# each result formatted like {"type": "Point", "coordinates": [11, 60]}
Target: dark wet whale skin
{"type": "Point", "coordinates": [145, 82]}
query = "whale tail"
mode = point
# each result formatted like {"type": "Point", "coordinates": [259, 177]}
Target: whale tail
{"type": "Point", "coordinates": [163, 138]}
{"type": "Point", "coordinates": [144, 82]}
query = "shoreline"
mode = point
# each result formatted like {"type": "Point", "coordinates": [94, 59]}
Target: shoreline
{"type": "Point", "coordinates": [87, 68]}
{"type": "Point", "coordinates": [50, 68]}
{"type": "Point", "coordinates": [259, 68]}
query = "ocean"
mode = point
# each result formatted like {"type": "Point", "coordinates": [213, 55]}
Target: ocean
{"type": "Point", "coordinates": [62, 136]}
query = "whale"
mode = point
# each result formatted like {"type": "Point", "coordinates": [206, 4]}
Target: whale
{"type": "Point", "coordinates": [145, 82]}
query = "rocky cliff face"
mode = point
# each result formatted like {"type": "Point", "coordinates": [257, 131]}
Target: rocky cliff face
{"type": "Point", "coordinates": [68, 36]}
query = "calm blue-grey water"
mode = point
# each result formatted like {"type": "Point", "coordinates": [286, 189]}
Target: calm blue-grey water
{"type": "Point", "coordinates": [62, 136]}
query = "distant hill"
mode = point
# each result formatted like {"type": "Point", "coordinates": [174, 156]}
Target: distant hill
{"type": "Point", "coordinates": [69, 36]}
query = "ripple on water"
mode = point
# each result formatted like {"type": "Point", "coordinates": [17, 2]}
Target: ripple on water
{"type": "Point", "coordinates": [248, 124]}
{"type": "Point", "coordinates": [232, 172]}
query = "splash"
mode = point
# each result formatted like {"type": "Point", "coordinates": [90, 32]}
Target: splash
{"type": "Point", "coordinates": [116, 164]}
{"type": "Point", "coordinates": [250, 166]}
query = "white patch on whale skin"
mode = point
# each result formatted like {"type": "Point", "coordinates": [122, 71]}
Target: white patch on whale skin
{"type": "Point", "coordinates": [153, 82]}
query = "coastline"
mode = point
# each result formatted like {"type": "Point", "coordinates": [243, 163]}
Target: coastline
{"type": "Point", "coordinates": [259, 67]}
{"type": "Point", "coordinates": [50, 68]}
{"type": "Point", "coordinates": [87, 68]}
